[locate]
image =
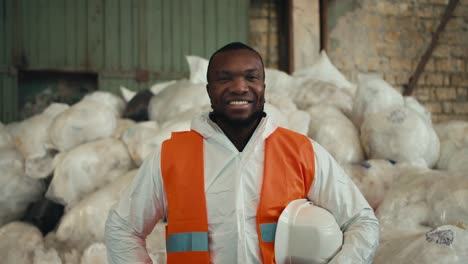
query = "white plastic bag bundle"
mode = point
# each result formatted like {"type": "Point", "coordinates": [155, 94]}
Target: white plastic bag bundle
{"type": "Point", "coordinates": [373, 95]}
{"type": "Point", "coordinates": [95, 254]}
{"type": "Point", "coordinates": [399, 134]}
{"type": "Point", "coordinates": [180, 97]}
{"type": "Point", "coordinates": [110, 100]}
{"type": "Point", "coordinates": [279, 83]}
{"type": "Point", "coordinates": [406, 207]}
{"type": "Point", "coordinates": [67, 255]}
{"type": "Point", "coordinates": [198, 68]}
{"type": "Point", "coordinates": [84, 223]}
{"type": "Point", "coordinates": [6, 139]}
{"type": "Point", "coordinates": [137, 136]}
{"type": "Point", "coordinates": [453, 137]}
{"type": "Point", "coordinates": [86, 168]}
{"type": "Point", "coordinates": [445, 244]}
{"type": "Point", "coordinates": [159, 87]}
{"type": "Point", "coordinates": [373, 178]}
{"type": "Point", "coordinates": [448, 200]}
{"type": "Point", "coordinates": [31, 137]}
{"type": "Point", "coordinates": [296, 120]}
{"type": "Point", "coordinates": [17, 190]}
{"type": "Point", "coordinates": [315, 92]}
{"type": "Point", "coordinates": [325, 71]}
{"type": "Point", "coordinates": [17, 243]}
{"type": "Point", "coordinates": [46, 256]}
{"type": "Point", "coordinates": [333, 130]}
{"type": "Point", "coordinates": [412, 103]}
{"type": "Point", "coordinates": [122, 126]}
{"type": "Point", "coordinates": [85, 121]}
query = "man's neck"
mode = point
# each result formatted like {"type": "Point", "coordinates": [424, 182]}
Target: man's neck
{"type": "Point", "coordinates": [239, 135]}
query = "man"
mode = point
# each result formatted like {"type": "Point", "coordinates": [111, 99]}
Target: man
{"type": "Point", "coordinates": [223, 185]}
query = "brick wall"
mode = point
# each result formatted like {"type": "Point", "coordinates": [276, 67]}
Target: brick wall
{"type": "Point", "coordinates": [263, 35]}
{"type": "Point", "coordinates": [390, 36]}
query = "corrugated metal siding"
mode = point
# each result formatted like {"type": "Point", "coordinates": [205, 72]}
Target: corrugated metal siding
{"type": "Point", "coordinates": [118, 39]}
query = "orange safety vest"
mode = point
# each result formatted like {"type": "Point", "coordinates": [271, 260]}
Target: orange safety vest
{"type": "Point", "coordinates": [288, 173]}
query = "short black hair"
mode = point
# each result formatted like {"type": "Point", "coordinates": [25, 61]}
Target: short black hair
{"type": "Point", "coordinates": [234, 46]}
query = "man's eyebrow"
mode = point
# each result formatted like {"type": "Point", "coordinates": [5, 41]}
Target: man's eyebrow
{"type": "Point", "coordinates": [223, 72]}
{"type": "Point", "coordinates": [251, 70]}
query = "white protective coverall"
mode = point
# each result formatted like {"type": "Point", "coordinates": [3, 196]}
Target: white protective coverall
{"type": "Point", "coordinates": [232, 184]}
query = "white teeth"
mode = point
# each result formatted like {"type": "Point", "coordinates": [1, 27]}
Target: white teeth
{"type": "Point", "coordinates": [238, 102]}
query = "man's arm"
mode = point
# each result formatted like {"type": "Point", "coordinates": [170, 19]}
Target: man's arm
{"type": "Point", "coordinates": [133, 218]}
{"type": "Point", "coordinates": [333, 190]}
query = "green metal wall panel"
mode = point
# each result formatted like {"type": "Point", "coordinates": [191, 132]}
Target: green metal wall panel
{"type": "Point", "coordinates": [134, 42]}
{"type": "Point", "coordinates": [8, 98]}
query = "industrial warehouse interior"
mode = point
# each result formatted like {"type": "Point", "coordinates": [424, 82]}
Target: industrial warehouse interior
{"type": "Point", "coordinates": [355, 149]}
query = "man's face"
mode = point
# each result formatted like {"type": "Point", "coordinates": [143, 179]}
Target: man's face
{"type": "Point", "coordinates": [236, 86]}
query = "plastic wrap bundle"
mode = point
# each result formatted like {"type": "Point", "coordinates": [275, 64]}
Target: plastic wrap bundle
{"type": "Point", "coordinates": [95, 254]}
{"type": "Point", "coordinates": [400, 134]}
{"type": "Point", "coordinates": [453, 137]}
{"type": "Point", "coordinates": [17, 243]}
{"type": "Point", "coordinates": [122, 126]}
{"type": "Point", "coordinates": [159, 87]}
{"type": "Point", "coordinates": [46, 256]}
{"type": "Point", "coordinates": [325, 71]}
{"type": "Point", "coordinates": [373, 178]}
{"type": "Point", "coordinates": [333, 130]}
{"type": "Point", "coordinates": [412, 103]}
{"type": "Point", "coordinates": [112, 101]}
{"type": "Point", "coordinates": [448, 200]}
{"type": "Point", "coordinates": [445, 244]}
{"type": "Point", "coordinates": [373, 95]}
{"type": "Point", "coordinates": [406, 207]}
{"type": "Point", "coordinates": [198, 68]}
{"type": "Point", "coordinates": [86, 168]}
{"type": "Point", "coordinates": [137, 137]}
{"type": "Point", "coordinates": [296, 120]}
{"type": "Point", "coordinates": [279, 83]}
{"type": "Point", "coordinates": [17, 191]}
{"type": "Point", "coordinates": [180, 97]}
{"type": "Point", "coordinates": [84, 223]}
{"type": "Point", "coordinates": [315, 92]}
{"type": "Point", "coordinates": [83, 122]}
{"type": "Point", "coordinates": [31, 137]}
{"type": "Point", "coordinates": [6, 139]}
{"type": "Point", "coordinates": [67, 255]}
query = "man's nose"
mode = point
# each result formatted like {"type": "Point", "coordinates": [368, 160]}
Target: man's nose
{"type": "Point", "coordinates": [240, 85]}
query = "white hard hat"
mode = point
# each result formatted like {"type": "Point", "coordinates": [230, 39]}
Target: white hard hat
{"type": "Point", "coordinates": [306, 234]}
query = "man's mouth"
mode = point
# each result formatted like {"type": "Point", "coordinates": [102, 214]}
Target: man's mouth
{"type": "Point", "coordinates": [239, 102]}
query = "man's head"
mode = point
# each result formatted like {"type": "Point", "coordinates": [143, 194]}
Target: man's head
{"type": "Point", "coordinates": [236, 84]}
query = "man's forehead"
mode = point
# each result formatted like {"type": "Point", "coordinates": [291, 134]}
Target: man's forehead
{"type": "Point", "coordinates": [237, 55]}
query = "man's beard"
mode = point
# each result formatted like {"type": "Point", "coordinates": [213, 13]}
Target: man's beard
{"type": "Point", "coordinates": [256, 116]}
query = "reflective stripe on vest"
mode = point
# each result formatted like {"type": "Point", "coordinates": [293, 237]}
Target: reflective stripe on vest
{"type": "Point", "coordinates": [288, 174]}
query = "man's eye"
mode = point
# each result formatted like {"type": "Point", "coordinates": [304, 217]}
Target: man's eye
{"type": "Point", "coordinates": [224, 79]}
{"type": "Point", "coordinates": [252, 78]}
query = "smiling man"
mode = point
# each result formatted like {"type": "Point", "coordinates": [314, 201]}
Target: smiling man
{"type": "Point", "coordinates": [223, 185]}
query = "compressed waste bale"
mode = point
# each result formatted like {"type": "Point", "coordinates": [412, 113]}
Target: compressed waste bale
{"type": "Point", "coordinates": [178, 98]}
{"type": "Point", "coordinates": [373, 95]}
{"type": "Point", "coordinates": [17, 191]}
{"type": "Point", "coordinates": [453, 137]}
{"type": "Point", "coordinates": [333, 130]}
{"type": "Point", "coordinates": [400, 134]}
{"type": "Point", "coordinates": [444, 244]}
{"type": "Point", "coordinates": [84, 223]}
{"type": "Point", "coordinates": [95, 254]}
{"type": "Point", "coordinates": [18, 241]}
{"type": "Point", "coordinates": [84, 122]}
{"type": "Point", "coordinates": [86, 168]}
{"type": "Point", "coordinates": [137, 136]}
{"type": "Point", "coordinates": [373, 178]}
{"type": "Point", "coordinates": [31, 137]}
